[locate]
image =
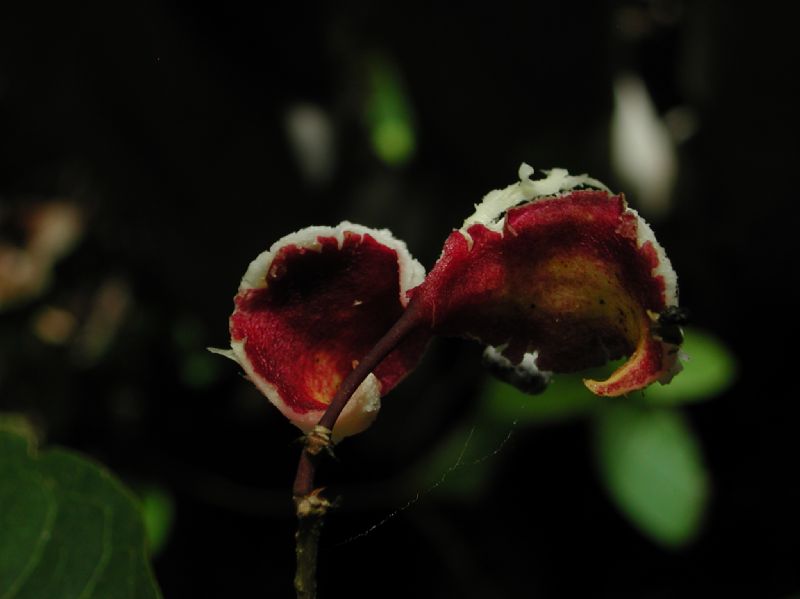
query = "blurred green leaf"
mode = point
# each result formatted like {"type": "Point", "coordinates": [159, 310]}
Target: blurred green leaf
{"type": "Point", "coordinates": [158, 511]}
{"type": "Point", "coordinates": [389, 114]}
{"type": "Point", "coordinates": [12, 422]}
{"type": "Point", "coordinates": [651, 465]}
{"type": "Point", "coordinates": [200, 369]}
{"type": "Point", "coordinates": [707, 371]}
{"type": "Point", "coordinates": [69, 528]}
{"type": "Point", "coordinates": [565, 397]}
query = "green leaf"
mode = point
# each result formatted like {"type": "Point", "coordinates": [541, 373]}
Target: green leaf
{"type": "Point", "coordinates": [158, 511]}
{"type": "Point", "coordinates": [200, 369]}
{"type": "Point", "coordinates": [69, 528]}
{"type": "Point", "coordinates": [566, 397]}
{"type": "Point", "coordinates": [19, 424]}
{"type": "Point", "coordinates": [708, 370]}
{"type": "Point", "coordinates": [389, 114]}
{"type": "Point", "coordinates": [651, 465]}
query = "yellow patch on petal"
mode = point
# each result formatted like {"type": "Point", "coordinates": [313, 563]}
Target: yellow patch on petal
{"type": "Point", "coordinates": [324, 378]}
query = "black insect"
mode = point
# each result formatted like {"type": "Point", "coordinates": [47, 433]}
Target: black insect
{"type": "Point", "coordinates": [668, 325]}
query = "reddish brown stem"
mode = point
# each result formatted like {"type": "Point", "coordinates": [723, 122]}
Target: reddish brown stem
{"type": "Point", "coordinates": [408, 322]}
{"type": "Point", "coordinates": [311, 507]}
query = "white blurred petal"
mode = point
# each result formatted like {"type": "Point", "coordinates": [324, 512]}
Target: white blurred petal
{"type": "Point", "coordinates": [310, 134]}
{"type": "Point", "coordinates": [642, 150]}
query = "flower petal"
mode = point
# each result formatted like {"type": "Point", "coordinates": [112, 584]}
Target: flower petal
{"type": "Point", "coordinates": [571, 274]}
{"type": "Point", "coordinates": [312, 306]}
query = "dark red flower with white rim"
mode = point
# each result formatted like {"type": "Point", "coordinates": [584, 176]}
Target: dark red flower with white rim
{"type": "Point", "coordinates": [561, 270]}
{"type": "Point", "coordinates": [556, 274]}
{"type": "Point", "coordinates": [311, 307]}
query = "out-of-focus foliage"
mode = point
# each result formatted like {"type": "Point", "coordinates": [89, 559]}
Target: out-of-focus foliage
{"type": "Point", "coordinates": [198, 368]}
{"type": "Point", "coordinates": [648, 458]}
{"type": "Point", "coordinates": [389, 114]}
{"type": "Point", "coordinates": [651, 464]}
{"type": "Point", "coordinates": [566, 397]}
{"type": "Point", "coordinates": [158, 512]}
{"type": "Point", "coordinates": [709, 369]}
{"type": "Point", "coordinates": [69, 528]}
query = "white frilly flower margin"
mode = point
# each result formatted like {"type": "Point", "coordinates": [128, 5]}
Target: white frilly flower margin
{"type": "Point", "coordinates": [362, 409]}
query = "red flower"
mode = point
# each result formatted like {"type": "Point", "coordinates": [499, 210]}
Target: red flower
{"type": "Point", "coordinates": [311, 307]}
{"type": "Point", "coordinates": [556, 274]}
{"type": "Point", "coordinates": [562, 269]}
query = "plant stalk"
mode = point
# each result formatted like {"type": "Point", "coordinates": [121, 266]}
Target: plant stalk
{"type": "Point", "coordinates": [408, 322]}
{"type": "Point", "coordinates": [307, 545]}
{"type": "Point", "coordinates": [311, 507]}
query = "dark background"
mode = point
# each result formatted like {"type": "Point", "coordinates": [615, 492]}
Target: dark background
{"type": "Point", "coordinates": [165, 122]}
